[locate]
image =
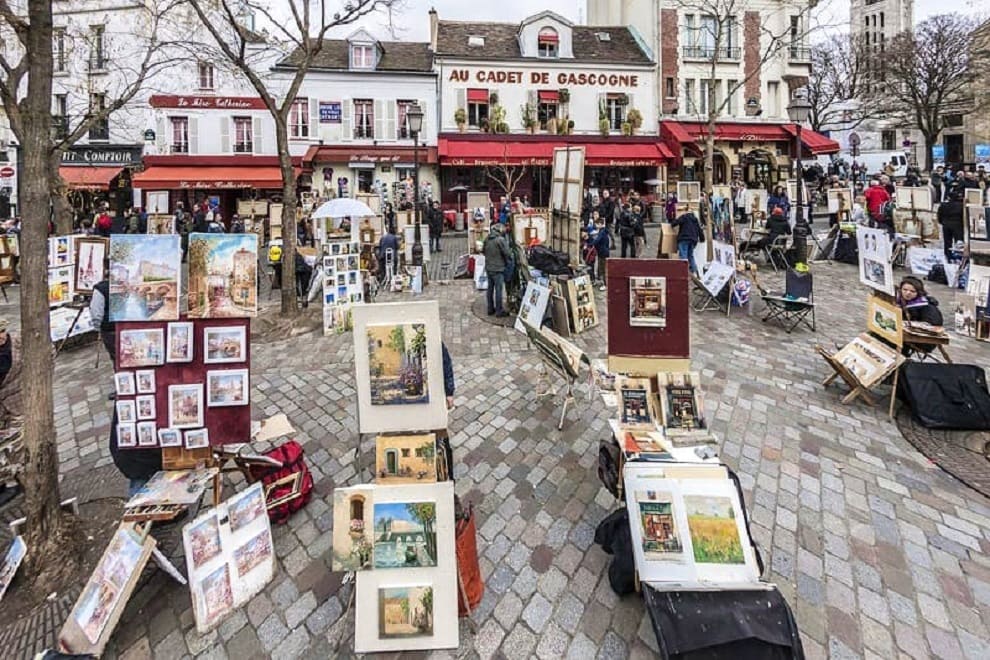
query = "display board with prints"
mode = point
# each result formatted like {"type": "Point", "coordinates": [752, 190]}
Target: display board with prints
{"type": "Point", "coordinates": [581, 303]}
{"type": "Point", "coordinates": [343, 283]}
{"type": "Point", "coordinates": [875, 268]}
{"type": "Point", "coordinates": [533, 306]}
{"type": "Point", "coordinates": [61, 270]}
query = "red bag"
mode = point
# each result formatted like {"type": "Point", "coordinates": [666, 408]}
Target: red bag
{"type": "Point", "coordinates": [287, 488]}
{"type": "Point", "coordinates": [104, 222]}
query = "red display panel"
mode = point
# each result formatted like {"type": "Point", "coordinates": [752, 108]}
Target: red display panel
{"type": "Point", "coordinates": [671, 341]}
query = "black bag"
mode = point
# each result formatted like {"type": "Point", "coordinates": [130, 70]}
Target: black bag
{"type": "Point", "coordinates": [550, 262]}
{"type": "Point", "coordinates": [615, 538]}
{"type": "Point", "coordinates": [946, 396]}
{"type": "Point", "coordinates": [937, 274]}
{"type": "Point", "coordinates": [608, 465]}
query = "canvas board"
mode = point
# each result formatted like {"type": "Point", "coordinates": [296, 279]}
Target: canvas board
{"type": "Point", "coordinates": [868, 359]}
{"type": "Point", "coordinates": [527, 228]}
{"type": "Point", "coordinates": [229, 556]}
{"type": "Point", "coordinates": [145, 277]}
{"type": "Point", "coordinates": [11, 562]}
{"type": "Point", "coordinates": [101, 602]}
{"type": "Point", "coordinates": [405, 459]}
{"type": "Point", "coordinates": [409, 238]}
{"type": "Point", "coordinates": [581, 299]}
{"type": "Point", "coordinates": [688, 532]}
{"type": "Point", "coordinates": [441, 578]}
{"type": "Point", "coordinates": [91, 251]}
{"type": "Point", "coordinates": [384, 406]}
{"type": "Point", "coordinates": [964, 314]}
{"type": "Point", "coordinates": [716, 276]}
{"type": "Point", "coordinates": [223, 275]}
{"type": "Point", "coordinates": [156, 201]}
{"type": "Point", "coordinates": [60, 320]}
{"type": "Point", "coordinates": [533, 307]}
{"type": "Point", "coordinates": [840, 200]}
{"type": "Point", "coordinates": [689, 192]}
{"type": "Point", "coordinates": [974, 196]}
{"type": "Point", "coordinates": [885, 320]}
{"type": "Point", "coordinates": [875, 268]}
{"type": "Point", "coordinates": [914, 199]}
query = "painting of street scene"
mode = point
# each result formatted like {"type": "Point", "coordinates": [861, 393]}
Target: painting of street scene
{"type": "Point", "coordinates": [661, 540]}
{"type": "Point", "coordinates": [405, 534]}
{"type": "Point", "coordinates": [352, 509]}
{"type": "Point", "coordinates": [223, 271]}
{"type": "Point", "coordinates": [397, 364]}
{"type": "Point", "coordinates": [713, 529]}
{"type": "Point", "coordinates": [141, 348]}
{"type": "Point", "coordinates": [405, 459]}
{"type": "Point", "coordinates": [405, 612]}
{"type": "Point", "coordinates": [144, 277]}
{"type": "Point", "coordinates": [218, 598]}
{"type": "Point", "coordinates": [253, 553]}
{"type": "Point", "coordinates": [204, 540]}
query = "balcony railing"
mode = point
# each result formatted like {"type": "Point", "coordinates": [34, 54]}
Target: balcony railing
{"type": "Point", "coordinates": [798, 54]}
{"type": "Point", "coordinates": [710, 52]}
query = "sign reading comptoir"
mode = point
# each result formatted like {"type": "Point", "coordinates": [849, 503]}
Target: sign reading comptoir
{"type": "Point", "coordinates": [563, 78]}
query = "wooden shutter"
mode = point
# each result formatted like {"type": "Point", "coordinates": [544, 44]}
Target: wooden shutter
{"type": "Point", "coordinates": [314, 118]}
{"type": "Point", "coordinates": [424, 131]}
{"type": "Point", "coordinates": [194, 135]}
{"type": "Point", "coordinates": [379, 110]}
{"type": "Point", "coordinates": [257, 126]}
{"type": "Point", "coordinates": [164, 135]}
{"type": "Point", "coordinates": [346, 120]}
{"type": "Point", "coordinates": [225, 123]}
{"type": "Point", "coordinates": [391, 110]}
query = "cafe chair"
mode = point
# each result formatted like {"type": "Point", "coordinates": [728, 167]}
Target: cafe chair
{"type": "Point", "coordinates": [796, 306]}
{"type": "Point", "coordinates": [776, 252]}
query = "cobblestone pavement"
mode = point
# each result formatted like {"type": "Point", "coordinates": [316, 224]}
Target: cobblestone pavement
{"type": "Point", "coordinates": [880, 553]}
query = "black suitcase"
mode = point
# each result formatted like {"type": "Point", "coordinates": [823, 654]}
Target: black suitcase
{"type": "Point", "coordinates": [946, 396]}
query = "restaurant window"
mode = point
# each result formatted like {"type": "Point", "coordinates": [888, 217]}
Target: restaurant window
{"type": "Point", "coordinates": [97, 48]}
{"type": "Point", "coordinates": [100, 130]}
{"type": "Point", "coordinates": [402, 129]}
{"type": "Point", "coordinates": [205, 76]}
{"type": "Point", "coordinates": [477, 102]}
{"type": "Point", "coordinates": [362, 56]}
{"type": "Point", "coordinates": [58, 51]}
{"type": "Point", "coordinates": [365, 180]}
{"type": "Point", "coordinates": [60, 116]}
{"type": "Point", "coordinates": [548, 43]}
{"type": "Point", "coordinates": [547, 107]}
{"type": "Point", "coordinates": [730, 90]}
{"type": "Point", "coordinates": [364, 118]}
{"type": "Point", "coordinates": [704, 97]}
{"type": "Point", "coordinates": [615, 110]}
{"type": "Point", "coordinates": [299, 118]}
{"type": "Point", "coordinates": [243, 135]}
{"type": "Point", "coordinates": [180, 135]}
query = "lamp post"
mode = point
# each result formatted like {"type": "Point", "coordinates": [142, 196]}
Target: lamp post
{"type": "Point", "coordinates": [414, 115]}
{"type": "Point", "coordinates": [798, 111]}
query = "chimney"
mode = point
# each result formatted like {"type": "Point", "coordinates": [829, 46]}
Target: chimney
{"type": "Point", "coordinates": [434, 24]}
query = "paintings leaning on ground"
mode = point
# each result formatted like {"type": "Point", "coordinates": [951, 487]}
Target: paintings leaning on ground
{"type": "Point", "coordinates": [397, 364]}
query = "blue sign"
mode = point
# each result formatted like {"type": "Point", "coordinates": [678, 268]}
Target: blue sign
{"type": "Point", "coordinates": [938, 152]}
{"type": "Point", "coordinates": [983, 153]}
{"type": "Point", "coordinates": [329, 112]}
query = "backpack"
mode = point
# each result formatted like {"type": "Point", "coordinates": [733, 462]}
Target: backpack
{"type": "Point", "coordinates": [548, 261]}
{"type": "Point", "coordinates": [103, 222]}
{"type": "Point", "coordinates": [937, 274]}
{"type": "Point", "coordinates": [290, 455]}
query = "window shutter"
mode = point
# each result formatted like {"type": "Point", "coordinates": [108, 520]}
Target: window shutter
{"type": "Point", "coordinates": [631, 104]}
{"type": "Point", "coordinates": [391, 110]}
{"type": "Point", "coordinates": [462, 99]}
{"type": "Point", "coordinates": [379, 110]}
{"type": "Point", "coordinates": [534, 99]}
{"type": "Point", "coordinates": [346, 120]}
{"type": "Point", "coordinates": [163, 135]}
{"type": "Point", "coordinates": [194, 135]}
{"type": "Point", "coordinates": [225, 135]}
{"type": "Point", "coordinates": [601, 107]}
{"type": "Point", "coordinates": [424, 131]}
{"type": "Point", "coordinates": [256, 131]}
{"type": "Point", "coordinates": [314, 118]}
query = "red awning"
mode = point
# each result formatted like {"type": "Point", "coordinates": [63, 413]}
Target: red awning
{"type": "Point", "coordinates": [548, 96]}
{"type": "Point", "coordinates": [689, 131]}
{"type": "Point", "coordinates": [477, 96]}
{"type": "Point", "coordinates": [814, 142]}
{"type": "Point", "coordinates": [478, 153]}
{"type": "Point", "coordinates": [88, 178]}
{"type": "Point", "coordinates": [622, 155]}
{"type": "Point", "coordinates": [549, 37]}
{"type": "Point", "coordinates": [188, 177]}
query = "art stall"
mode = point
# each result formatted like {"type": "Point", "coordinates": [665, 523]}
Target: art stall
{"type": "Point", "coordinates": [183, 390]}
{"type": "Point", "coordinates": [75, 266]}
{"type": "Point", "coordinates": [410, 545]}
{"type": "Point", "coordinates": [691, 546]}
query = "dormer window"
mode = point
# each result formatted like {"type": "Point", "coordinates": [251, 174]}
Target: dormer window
{"type": "Point", "coordinates": [548, 43]}
{"type": "Point", "coordinates": [362, 56]}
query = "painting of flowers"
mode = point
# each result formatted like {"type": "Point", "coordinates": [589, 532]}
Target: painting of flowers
{"type": "Point", "coordinates": [397, 364]}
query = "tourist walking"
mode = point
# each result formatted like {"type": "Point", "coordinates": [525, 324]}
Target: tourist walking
{"type": "Point", "coordinates": [496, 252]}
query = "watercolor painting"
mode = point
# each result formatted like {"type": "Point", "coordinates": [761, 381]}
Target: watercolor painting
{"type": "Point", "coordinates": [245, 508]}
{"type": "Point", "coordinates": [713, 529]}
{"type": "Point", "coordinates": [397, 364]}
{"type": "Point", "coordinates": [405, 534]}
{"type": "Point", "coordinates": [217, 598]}
{"type": "Point", "coordinates": [141, 348]}
{"type": "Point", "coordinates": [223, 273]}
{"type": "Point", "coordinates": [253, 553]}
{"type": "Point", "coordinates": [225, 344]}
{"type": "Point", "coordinates": [405, 459]}
{"type": "Point", "coordinates": [405, 612]}
{"type": "Point", "coordinates": [185, 406]}
{"type": "Point", "coordinates": [661, 540]}
{"type": "Point", "coordinates": [179, 342]}
{"type": "Point", "coordinates": [352, 525]}
{"type": "Point", "coordinates": [227, 388]}
{"type": "Point", "coordinates": [144, 277]}
{"type": "Point", "coordinates": [204, 540]}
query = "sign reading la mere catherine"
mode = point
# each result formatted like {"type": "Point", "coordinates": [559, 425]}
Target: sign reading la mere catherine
{"type": "Point", "coordinates": [563, 78]}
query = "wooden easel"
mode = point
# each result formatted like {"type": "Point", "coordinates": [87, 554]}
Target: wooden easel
{"type": "Point", "coordinates": [553, 360]}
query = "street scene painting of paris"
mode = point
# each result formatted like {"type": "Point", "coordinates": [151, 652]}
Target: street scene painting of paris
{"type": "Point", "coordinates": [405, 612]}
{"type": "Point", "coordinates": [397, 364]}
{"type": "Point", "coordinates": [223, 275]}
{"type": "Point", "coordinates": [144, 277]}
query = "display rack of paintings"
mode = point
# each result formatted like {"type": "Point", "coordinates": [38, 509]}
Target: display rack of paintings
{"type": "Point", "coordinates": [688, 528]}
{"type": "Point", "coordinates": [875, 267]}
{"type": "Point", "coordinates": [581, 304]}
{"type": "Point", "coordinates": [229, 556]}
{"type": "Point", "coordinates": [343, 284]}
{"type": "Point", "coordinates": [566, 199]}
{"type": "Point", "coordinates": [223, 275]}
{"type": "Point", "coordinates": [145, 272]}
{"type": "Point", "coordinates": [11, 562]}
{"type": "Point", "coordinates": [863, 364]}
{"type": "Point", "coordinates": [90, 257]}
{"type": "Point", "coordinates": [407, 582]}
{"type": "Point", "coordinates": [399, 366]}
{"type": "Point", "coordinates": [102, 601]}
{"type": "Point", "coordinates": [187, 381]}
{"type": "Point", "coordinates": [533, 306]}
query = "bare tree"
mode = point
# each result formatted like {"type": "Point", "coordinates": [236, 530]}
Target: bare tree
{"type": "Point", "coordinates": [300, 35]}
{"type": "Point", "coordinates": [929, 68]}
{"type": "Point", "coordinates": [839, 85]}
{"type": "Point", "coordinates": [26, 67]}
{"type": "Point", "coordinates": [506, 176]}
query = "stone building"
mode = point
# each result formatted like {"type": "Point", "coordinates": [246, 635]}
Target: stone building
{"type": "Point", "coordinates": [966, 136]}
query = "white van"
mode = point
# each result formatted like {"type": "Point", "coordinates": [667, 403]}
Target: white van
{"type": "Point", "coordinates": [875, 161]}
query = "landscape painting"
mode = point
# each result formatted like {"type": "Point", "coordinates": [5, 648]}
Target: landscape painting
{"type": "Point", "coordinates": [352, 515]}
{"type": "Point", "coordinates": [141, 348]}
{"type": "Point", "coordinates": [405, 459]}
{"type": "Point", "coordinates": [225, 344]}
{"type": "Point", "coordinates": [405, 612]}
{"type": "Point", "coordinates": [253, 553]}
{"type": "Point", "coordinates": [713, 529]}
{"type": "Point", "coordinates": [397, 364]}
{"type": "Point", "coordinates": [204, 540]}
{"type": "Point", "coordinates": [405, 534]}
{"type": "Point", "coordinates": [217, 597]}
{"type": "Point", "coordinates": [227, 388]}
{"type": "Point", "coordinates": [661, 538]}
{"type": "Point", "coordinates": [223, 272]}
{"type": "Point", "coordinates": [144, 277]}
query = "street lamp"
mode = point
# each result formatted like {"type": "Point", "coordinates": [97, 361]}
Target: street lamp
{"type": "Point", "coordinates": [414, 115]}
{"type": "Point", "coordinates": [798, 111]}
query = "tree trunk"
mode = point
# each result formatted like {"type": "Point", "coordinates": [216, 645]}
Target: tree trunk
{"type": "Point", "coordinates": [929, 145]}
{"type": "Point", "coordinates": [61, 209]}
{"type": "Point", "coordinates": [290, 306]}
{"type": "Point", "coordinates": [706, 177]}
{"type": "Point", "coordinates": [40, 475]}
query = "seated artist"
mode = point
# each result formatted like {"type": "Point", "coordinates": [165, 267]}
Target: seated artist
{"type": "Point", "coordinates": [777, 226]}
{"type": "Point", "coordinates": [918, 306]}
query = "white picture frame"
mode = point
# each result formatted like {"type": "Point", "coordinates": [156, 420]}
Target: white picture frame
{"type": "Point", "coordinates": [533, 307]}
{"type": "Point", "coordinates": [169, 437]}
{"type": "Point", "coordinates": [127, 435]}
{"type": "Point", "coordinates": [145, 381]}
{"type": "Point", "coordinates": [124, 383]}
{"type": "Point", "coordinates": [147, 434]}
{"type": "Point", "coordinates": [232, 350]}
{"type": "Point", "coordinates": [197, 438]}
{"type": "Point", "coordinates": [875, 268]}
{"type": "Point", "coordinates": [179, 416]}
{"type": "Point", "coordinates": [146, 407]}
{"type": "Point", "coordinates": [408, 418]}
{"type": "Point", "coordinates": [126, 411]}
{"type": "Point", "coordinates": [179, 342]}
{"type": "Point", "coordinates": [219, 392]}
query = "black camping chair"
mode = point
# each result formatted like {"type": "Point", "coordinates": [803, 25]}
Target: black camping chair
{"type": "Point", "coordinates": [796, 305]}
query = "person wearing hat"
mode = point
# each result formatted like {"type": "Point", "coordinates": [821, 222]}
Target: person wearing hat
{"type": "Point", "coordinates": [777, 226]}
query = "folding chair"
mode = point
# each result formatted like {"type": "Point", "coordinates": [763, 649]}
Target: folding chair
{"type": "Point", "coordinates": [796, 305]}
{"type": "Point", "coordinates": [777, 249]}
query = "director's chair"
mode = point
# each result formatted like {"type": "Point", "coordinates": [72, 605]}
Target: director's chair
{"type": "Point", "coordinates": [796, 305]}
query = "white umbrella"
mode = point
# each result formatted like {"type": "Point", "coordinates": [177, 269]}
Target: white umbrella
{"type": "Point", "coordinates": [343, 207]}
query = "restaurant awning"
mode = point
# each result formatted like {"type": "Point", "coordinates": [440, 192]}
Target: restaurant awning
{"type": "Point", "coordinates": [480, 153]}
{"type": "Point", "coordinates": [477, 96]}
{"type": "Point", "coordinates": [623, 155]}
{"type": "Point", "coordinates": [814, 142]}
{"type": "Point", "coordinates": [548, 95]}
{"type": "Point", "coordinates": [187, 177]}
{"type": "Point", "coordinates": [691, 134]}
{"type": "Point", "coordinates": [88, 178]}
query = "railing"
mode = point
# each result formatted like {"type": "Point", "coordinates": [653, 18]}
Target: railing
{"type": "Point", "coordinates": [180, 147]}
{"type": "Point", "coordinates": [798, 54]}
{"type": "Point", "coordinates": [710, 52]}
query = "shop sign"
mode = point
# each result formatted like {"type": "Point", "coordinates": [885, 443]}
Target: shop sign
{"type": "Point", "coordinates": [562, 78]}
{"type": "Point", "coordinates": [330, 112]}
{"type": "Point", "coordinates": [219, 185]}
{"type": "Point", "coordinates": [631, 163]}
{"type": "Point", "coordinates": [367, 158]}
{"type": "Point", "coordinates": [494, 162]}
{"type": "Point", "coordinates": [207, 102]}
{"type": "Point", "coordinates": [102, 155]}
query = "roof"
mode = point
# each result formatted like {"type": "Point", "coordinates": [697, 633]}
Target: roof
{"type": "Point", "coordinates": [501, 42]}
{"type": "Point", "coordinates": [394, 56]}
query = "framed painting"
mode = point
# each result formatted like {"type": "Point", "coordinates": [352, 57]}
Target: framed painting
{"type": "Point", "coordinates": [224, 344]}
{"type": "Point", "coordinates": [227, 387]}
{"type": "Point", "coordinates": [875, 268]}
{"type": "Point", "coordinates": [399, 367]}
{"type": "Point", "coordinates": [91, 254]}
{"type": "Point", "coordinates": [885, 320]}
{"type": "Point", "coordinates": [223, 275]}
{"type": "Point", "coordinates": [197, 439]}
{"type": "Point", "coordinates": [840, 200]}
{"type": "Point", "coordinates": [127, 434]}
{"type": "Point", "coordinates": [145, 272]}
{"type": "Point", "coordinates": [145, 407]}
{"type": "Point", "coordinates": [126, 411]}
{"type": "Point", "coordinates": [179, 342]}
{"type": "Point", "coordinates": [405, 459]}
{"type": "Point", "coordinates": [648, 301]}
{"type": "Point", "coordinates": [169, 438]}
{"type": "Point", "coordinates": [140, 348]}
{"type": "Point", "coordinates": [145, 381]}
{"type": "Point", "coordinates": [147, 434]}
{"type": "Point", "coordinates": [185, 406]}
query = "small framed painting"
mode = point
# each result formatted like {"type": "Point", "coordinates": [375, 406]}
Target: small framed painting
{"type": "Point", "coordinates": [124, 383]}
{"type": "Point", "coordinates": [145, 381]}
{"type": "Point", "coordinates": [227, 388]}
{"type": "Point", "coordinates": [141, 348]}
{"type": "Point", "coordinates": [197, 439]}
{"type": "Point", "coordinates": [145, 407]}
{"type": "Point", "coordinates": [185, 406]}
{"type": "Point", "coordinates": [126, 435]}
{"type": "Point", "coordinates": [147, 434]}
{"type": "Point", "coordinates": [169, 437]}
{"type": "Point", "coordinates": [179, 342]}
{"type": "Point", "coordinates": [224, 344]}
{"type": "Point", "coordinates": [126, 412]}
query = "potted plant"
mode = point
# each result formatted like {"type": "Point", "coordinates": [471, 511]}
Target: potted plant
{"type": "Point", "coordinates": [635, 119]}
{"type": "Point", "coordinates": [460, 118]}
{"type": "Point", "coordinates": [497, 120]}
{"type": "Point", "coordinates": [560, 125]}
{"type": "Point", "coordinates": [626, 128]}
{"type": "Point", "coordinates": [570, 126]}
{"type": "Point", "coordinates": [493, 98]}
{"type": "Point", "coordinates": [503, 127]}
{"type": "Point", "coordinates": [604, 126]}
{"type": "Point", "coordinates": [564, 94]}
{"type": "Point", "coordinates": [622, 99]}
{"type": "Point", "coordinates": [528, 117]}
{"type": "Point", "coordinates": [553, 126]}
{"type": "Point", "coordinates": [486, 125]}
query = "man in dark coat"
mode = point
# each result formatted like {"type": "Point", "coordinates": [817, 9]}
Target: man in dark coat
{"type": "Point", "coordinates": [950, 216]}
{"type": "Point", "coordinates": [435, 219]}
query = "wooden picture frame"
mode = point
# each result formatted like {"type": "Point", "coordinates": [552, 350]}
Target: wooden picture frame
{"type": "Point", "coordinates": [885, 320]}
{"type": "Point", "coordinates": [90, 259]}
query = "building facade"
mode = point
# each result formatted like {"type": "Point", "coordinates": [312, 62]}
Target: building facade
{"type": "Point", "coordinates": [511, 92]}
{"type": "Point", "coordinates": [966, 132]}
